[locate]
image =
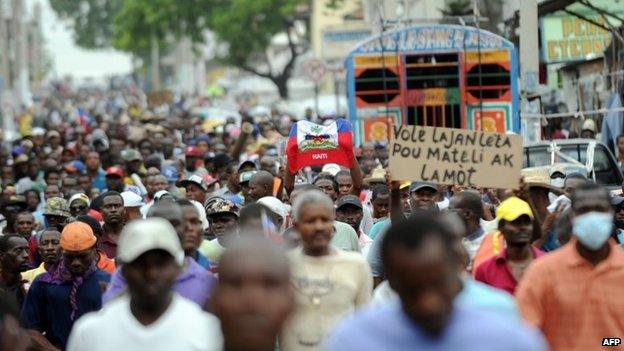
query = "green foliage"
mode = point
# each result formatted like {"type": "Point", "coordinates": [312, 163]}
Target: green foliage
{"type": "Point", "coordinates": [138, 20]}
{"type": "Point", "coordinates": [247, 26]}
{"type": "Point", "coordinates": [92, 20]}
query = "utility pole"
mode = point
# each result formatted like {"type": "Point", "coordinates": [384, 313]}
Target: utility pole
{"type": "Point", "coordinates": [36, 49]}
{"type": "Point", "coordinates": [529, 66]}
{"type": "Point", "coordinates": [21, 83]}
{"type": "Point", "coordinates": [5, 73]}
{"type": "Point", "coordinates": [155, 58]}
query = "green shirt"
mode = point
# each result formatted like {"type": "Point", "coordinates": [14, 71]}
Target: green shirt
{"type": "Point", "coordinates": [345, 237]}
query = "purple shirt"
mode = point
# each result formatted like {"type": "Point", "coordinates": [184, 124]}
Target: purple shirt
{"type": "Point", "coordinates": [194, 283]}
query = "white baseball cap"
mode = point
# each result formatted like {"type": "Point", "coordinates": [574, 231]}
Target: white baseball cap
{"type": "Point", "coordinates": [275, 205]}
{"type": "Point", "coordinates": [331, 168]}
{"type": "Point", "coordinates": [143, 235]}
{"type": "Point", "coordinates": [131, 199]}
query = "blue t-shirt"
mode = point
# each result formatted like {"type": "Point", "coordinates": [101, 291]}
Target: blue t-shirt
{"type": "Point", "coordinates": [486, 298]}
{"type": "Point", "coordinates": [202, 260]}
{"type": "Point", "coordinates": [468, 329]}
{"type": "Point", "coordinates": [47, 308]}
{"type": "Point", "coordinates": [99, 181]}
{"type": "Point", "coordinates": [378, 227]}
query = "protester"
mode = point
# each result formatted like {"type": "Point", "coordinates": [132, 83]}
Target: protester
{"type": "Point", "coordinates": [196, 188]}
{"type": "Point", "coordinates": [243, 182]}
{"type": "Point", "coordinates": [223, 218]}
{"type": "Point", "coordinates": [57, 298]}
{"type": "Point", "coordinates": [9, 209]}
{"type": "Point", "coordinates": [279, 211]}
{"type": "Point", "coordinates": [49, 246]}
{"type": "Point", "coordinates": [56, 212]}
{"type": "Point", "coordinates": [95, 171]}
{"type": "Point", "coordinates": [79, 205]}
{"type": "Point", "coordinates": [617, 202]}
{"type": "Point", "coordinates": [324, 294]}
{"type": "Point", "coordinates": [12, 337]}
{"type": "Point", "coordinates": [470, 208]}
{"type": "Point", "coordinates": [473, 293]}
{"type": "Point", "coordinates": [192, 161]}
{"type": "Point", "coordinates": [253, 313]}
{"type": "Point", "coordinates": [514, 213]}
{"type": "Point", "coordinates": [51, 190]}
{"type": "Point", "coordinates": [587, 271]}
{"type": "Point", "coordinates": [505, 270]}
{"type": "Point", "coordinates": [193, 236]}
{"type": "Point", "coordinates": [113, 213]}
{"type": "Point", "coordinates": [115, 179]}
{"type": "Point", "coordinates": [104, 263]}
{"type": "Point", "coordinates": [422, 267]}
{"type": "Point", "coordinates": [260, 185]}
{"type": "Point", "coordinates": [349, 210]}
{"type": "Point", "coordinates": [25, 224]}
{"type": "Point", "coordinates": [151, 316]}
{"type": "Point", "coordinates": [573, 181]}
{"type": "Point", "coordinates": [70, 186]}
{"type": "Point", "coordinates": [13, 261]}
{"type": "Point", "coordinates": [132, 206]}
{"type": "Point", "coordinates": [193, 282]}
{"type": "Point", "coordinates": [380, 201]}
{"type": "Point", "coordinates": [421, 196]}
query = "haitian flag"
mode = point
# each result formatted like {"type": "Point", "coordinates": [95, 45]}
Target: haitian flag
{"type": "Point", "coordinates": [84, 120]}
{"type": "Point", "coordinates": [311, 144]}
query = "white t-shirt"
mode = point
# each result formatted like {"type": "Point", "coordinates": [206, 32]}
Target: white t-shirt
{"type": "Point", "coordinates": [183, 327]}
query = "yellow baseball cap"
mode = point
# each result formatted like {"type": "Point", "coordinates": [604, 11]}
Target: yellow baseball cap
{"type": "Point", "coordinates": [404, 185]}
{"type": "Point", "coordinates": [512, 208]}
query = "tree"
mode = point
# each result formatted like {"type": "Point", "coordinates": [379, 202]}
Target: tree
{"type": "Point", "coordinates": [248, 26]}
{"type": "Point", "coordinates": [92, 20]}
{"type": "Point", "coordinates": [138, 22]}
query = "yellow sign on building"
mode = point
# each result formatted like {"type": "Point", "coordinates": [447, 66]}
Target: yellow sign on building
{"type": "Point", "coordinates": [569, 38]}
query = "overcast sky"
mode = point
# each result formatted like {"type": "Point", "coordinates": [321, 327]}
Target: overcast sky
{"type": "Point", "coordinates": [68, 58]}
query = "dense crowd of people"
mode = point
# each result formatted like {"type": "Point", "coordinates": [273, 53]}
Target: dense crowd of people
{"type": "Point", "coordinates": [134, 225]}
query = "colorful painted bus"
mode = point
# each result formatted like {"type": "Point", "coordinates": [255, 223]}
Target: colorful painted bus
{"type": "Point", "coordinates": [435, 75]}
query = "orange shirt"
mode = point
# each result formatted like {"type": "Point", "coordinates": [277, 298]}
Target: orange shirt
{"type": "Point", "coordinates": [105, 264]}
{"type": "Point", "coordinates": [574, 304]}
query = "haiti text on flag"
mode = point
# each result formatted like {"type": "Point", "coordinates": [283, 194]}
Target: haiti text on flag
{"type": "Point", "coordinates": [310, 144]}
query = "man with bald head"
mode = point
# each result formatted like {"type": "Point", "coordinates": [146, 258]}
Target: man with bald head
{"type": "Point", "coordinates": [261, 185]}
{"type": "Point", "coordinates": [194, 282]}
{"type": "Point", "coordinates": [467, 204]}
{"type": "Point", "coordinates": [252, 312]}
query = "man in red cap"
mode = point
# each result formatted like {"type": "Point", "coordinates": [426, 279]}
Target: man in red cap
{"type": "Point", "coordinates": [57, 298]}
{"type": "Point", "coordinates": [114, 179]}
{"type": "Point", "coordinates": [193, 160]}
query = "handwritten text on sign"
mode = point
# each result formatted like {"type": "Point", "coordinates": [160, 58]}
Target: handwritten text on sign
{"type": "Point", "coordinates": [455, 156]}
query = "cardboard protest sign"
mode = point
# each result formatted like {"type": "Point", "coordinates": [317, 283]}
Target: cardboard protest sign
{"type": "Point", "coordinates": [455, 156]}
{"type": "Point", "coordinates": [311, 144]}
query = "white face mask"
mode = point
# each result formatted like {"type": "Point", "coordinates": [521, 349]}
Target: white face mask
{"type": "Point", "coordinates": [593, 229]}
{"type": "Point", "coordinates": [557, 182]}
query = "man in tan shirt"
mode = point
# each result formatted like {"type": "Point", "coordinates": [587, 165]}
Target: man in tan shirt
{"type": "Point", "coordinates": [329, 283]}
{"type": "Point", "coordinates": [574, 294]}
